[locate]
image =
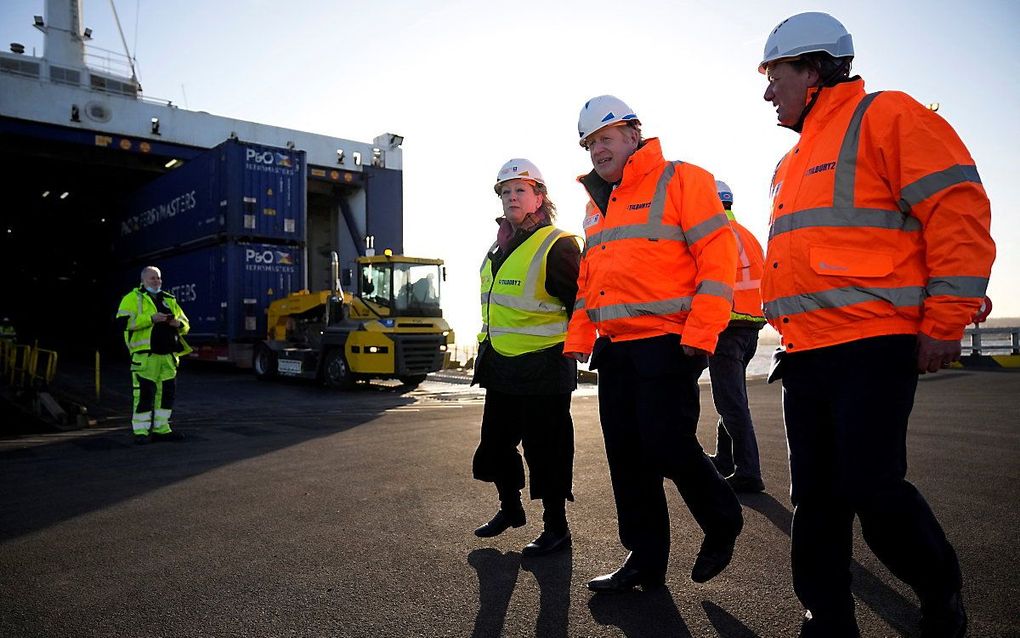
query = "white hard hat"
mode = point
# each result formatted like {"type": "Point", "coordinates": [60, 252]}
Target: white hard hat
{"type": "Point", "coordinates": [807, 33]}
{"type": "Point", "coordinates": [724, 191]}
{"type": "Point", "coordinates": [602, 111]}
{"type": "Point", "coordinates": [518, 168]}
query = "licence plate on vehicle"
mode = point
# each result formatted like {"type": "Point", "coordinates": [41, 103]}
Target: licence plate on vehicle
{"type": "Point", "coordinates": [289, 366]}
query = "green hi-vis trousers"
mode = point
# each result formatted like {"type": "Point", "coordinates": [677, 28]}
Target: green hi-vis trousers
{"type": "Point", "coordinates": [153, 380]}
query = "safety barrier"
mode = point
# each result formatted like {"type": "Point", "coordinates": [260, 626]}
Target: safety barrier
{"type": "Point", "coordinates": [27, 366]}
{"type": "Point", "coordinates": [991, 348]}
{"type": "Point", "coordinates": [976, 344]}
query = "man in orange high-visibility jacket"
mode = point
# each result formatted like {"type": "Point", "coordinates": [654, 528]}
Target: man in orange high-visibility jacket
{"type": "Point", "coordinates": [736, 447]}
{"type": "Point", "coordinates": [879, 253]}
{"type": "Point", "coordinates": [655, 288]}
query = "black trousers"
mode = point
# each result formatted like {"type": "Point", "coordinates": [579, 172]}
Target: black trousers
{"type": "Point", "coordinates": [736, 448]}
{"type": "Point", "coordinates": [846, 409]}
{"type": "Point", "coordinates": [649, 404]}
{"type": "Point", "coordinates": [543, 425]}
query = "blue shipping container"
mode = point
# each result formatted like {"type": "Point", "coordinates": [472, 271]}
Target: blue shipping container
{"type": "Point", "coordinates": [226, 289]}
{"type": "Point", "coordinates": [235, 190]}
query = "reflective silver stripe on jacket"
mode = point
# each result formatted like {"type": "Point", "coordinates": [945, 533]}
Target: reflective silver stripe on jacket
{"type": "Point", "coordinates": [141, 305]}
{"type": "Point", "coordinates": [132, 323]}
{"type": "Point", "coordinates": [922, 189]}
{"type": "Point", "coordinates": [844, 218]}
{"type": "Point", "coordinates": [540, 330]}
{"type": "Point", "coordinates": [846, 163]}
{"type": "Point", "coordinates": [905, 297]}
{"type": "Point", "coordinates": [715, 288]}
{"type": "Point", "coordinates": [654, 229]}
{"type": "Point", "coordinates": [744, 282]}
{"type": "Point", "coordinates": [967, 287]}
{"type": "Point", "coordinates": [707, 227]}
{"type": "Point", "coordinates": [639, 309]}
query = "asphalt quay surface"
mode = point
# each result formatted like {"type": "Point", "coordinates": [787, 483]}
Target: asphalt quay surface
{"type": "Point", "coordinates": [293, 510]}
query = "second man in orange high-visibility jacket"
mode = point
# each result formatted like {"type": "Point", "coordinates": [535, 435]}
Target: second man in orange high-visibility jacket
{"type": "Point", "coordinates": [654, 291]}
{"type": "Point", "coordinates": [879, 254]}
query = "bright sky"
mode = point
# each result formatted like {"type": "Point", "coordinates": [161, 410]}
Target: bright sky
{"type": "Point", "coordinates": [470, 85]}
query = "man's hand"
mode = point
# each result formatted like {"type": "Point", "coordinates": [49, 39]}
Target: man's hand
{"type": "Point", "coordinates": [691, 351]}
{"type": "Point", "coordinates": [934, 354]}
{"type": "Point", "coordinates": [579, 356]}
{"type": "Point", "coordinates": [160, 317]}
{"type": "Point", "coordinates": [174, 323]}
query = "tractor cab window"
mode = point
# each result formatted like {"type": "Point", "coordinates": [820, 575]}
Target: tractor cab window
{"type": "Point", "coordinates": [417, 288]}
{"type": "Point", "coordinates": [402, 289]}
{"type": "Point", "coordinates": [375, 284]}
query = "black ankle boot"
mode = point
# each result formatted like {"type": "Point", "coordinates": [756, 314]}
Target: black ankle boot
{"type": "Point", "coordinates": [551, 540]}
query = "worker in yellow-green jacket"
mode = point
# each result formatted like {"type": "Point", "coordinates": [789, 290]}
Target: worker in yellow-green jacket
{"type": "Point", "coordinates": [154, 328]}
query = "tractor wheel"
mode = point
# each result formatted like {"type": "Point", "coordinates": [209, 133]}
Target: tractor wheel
{"type": "Point", "coordinates": [336, 373]}
{"type": "Point", "coordinates": [264, 362]}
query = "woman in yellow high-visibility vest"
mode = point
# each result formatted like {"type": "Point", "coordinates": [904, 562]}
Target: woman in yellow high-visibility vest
{"type": "Point", "coordinates": [528, 288]}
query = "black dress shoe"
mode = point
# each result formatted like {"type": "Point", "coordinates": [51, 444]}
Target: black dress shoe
{"type": "Point", "coordinates": [745, 484]}
{"type": "Point", "coordinates": [500, 523]}
{"type": "Point", "coordinates": [625, 579]}
{"type": "Point", "coordinates": [713, 557]}
{"type": "Point", "coordinates": [946, 619]}
{"type": "Point", "coordinates": [547, 543]}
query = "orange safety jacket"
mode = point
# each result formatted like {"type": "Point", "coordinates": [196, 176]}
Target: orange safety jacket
{"type": "Point", "coordinates": [879, 226]}
{"type": "Point", "coordinates": [660, 260]}
{"type": "Point", "coordinates": [747, 287]}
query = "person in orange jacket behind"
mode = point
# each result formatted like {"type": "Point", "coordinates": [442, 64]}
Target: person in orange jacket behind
{"type": "Point", "coordinates": [654, 291]}
{"type": "Point", "coordinates": [736, 447]}
{"type": "Point", "coordinates": [879, 253]}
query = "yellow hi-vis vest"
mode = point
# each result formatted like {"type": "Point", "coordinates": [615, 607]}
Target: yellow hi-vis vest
{"type": "Point", "coordinates": [518, 314]}
{"type": "Point", "coordinates": [138, 307]}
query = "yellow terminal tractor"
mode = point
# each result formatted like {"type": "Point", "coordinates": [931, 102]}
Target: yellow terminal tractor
{"type": "Point", "coordinates": [392, 327]}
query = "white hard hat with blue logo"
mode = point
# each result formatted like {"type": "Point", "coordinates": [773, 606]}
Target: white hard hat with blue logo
{"type": "Point", "coordinates": [602, 111]}
{"type": "Point", "coordinates": [518, 168]}
{"type": "Point", "coordinates": [724, 191]}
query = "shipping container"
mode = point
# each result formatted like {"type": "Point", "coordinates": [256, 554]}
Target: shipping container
{"type": "Point", "coordinates": [225, 288]}
{"type": "Point", "coordinates": [234, 191]}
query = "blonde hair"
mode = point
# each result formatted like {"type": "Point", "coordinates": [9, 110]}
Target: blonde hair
{"type": "Point", "coordinates": [548, 207]}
